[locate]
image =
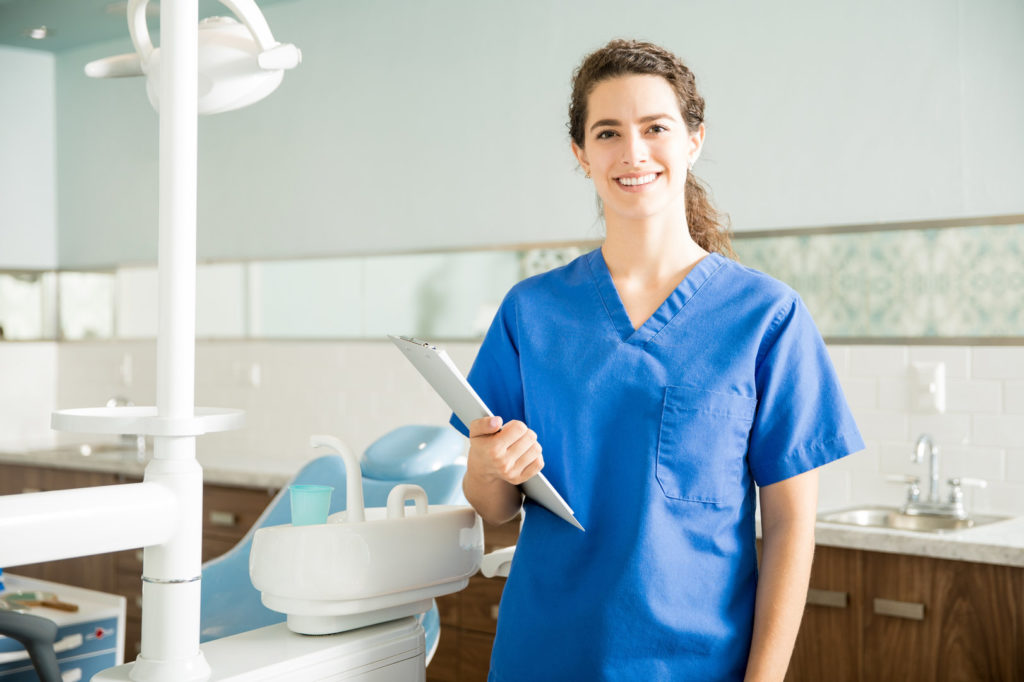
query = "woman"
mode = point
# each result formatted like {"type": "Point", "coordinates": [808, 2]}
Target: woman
{"type": "Point", "coordinates": [664, 381]}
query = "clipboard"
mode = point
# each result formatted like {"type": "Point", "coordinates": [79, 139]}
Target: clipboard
{"type": "Point", "coordinates": [437, 368]}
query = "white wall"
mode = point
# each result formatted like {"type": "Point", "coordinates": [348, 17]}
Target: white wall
{"type": "Point", "coordinates": [28, 393]}
{"type": "Point", "coordinates": [359, 391]}
{"type": "Point", "coordinates": [28, 194]}
{"type": "Point", "coordinates": [419, 125]}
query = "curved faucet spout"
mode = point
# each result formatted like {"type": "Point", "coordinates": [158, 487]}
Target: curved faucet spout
{"type": "Point", "coordinates": [925, 444]}
{"type": "Point", "coordinates": [354, 508]}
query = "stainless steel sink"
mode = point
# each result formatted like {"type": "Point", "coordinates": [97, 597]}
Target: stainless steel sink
{"type": "Point", "coordinates": [890, 517]}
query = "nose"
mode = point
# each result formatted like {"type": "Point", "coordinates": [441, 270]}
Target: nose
{"type": "Point", "coordinates": [635, 150]}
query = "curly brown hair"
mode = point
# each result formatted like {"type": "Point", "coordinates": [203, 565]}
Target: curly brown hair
{"type": "Point", "coordinates": [708, 227]}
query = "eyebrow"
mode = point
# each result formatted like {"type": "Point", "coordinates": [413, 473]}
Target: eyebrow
{"type": "Point", "coordinates": [645, 119]}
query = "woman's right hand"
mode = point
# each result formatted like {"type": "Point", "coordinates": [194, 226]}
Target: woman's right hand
{"type": "Point", "coordinates": [510, 453]}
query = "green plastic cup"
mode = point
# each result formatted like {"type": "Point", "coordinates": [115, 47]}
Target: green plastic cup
{"type": "Point", "coordinates": [310, 504]}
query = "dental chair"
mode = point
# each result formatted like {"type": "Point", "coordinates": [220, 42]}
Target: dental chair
{"type": "Point", "coordinates": [431, 457]}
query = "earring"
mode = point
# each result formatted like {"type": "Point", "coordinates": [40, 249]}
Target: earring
{"type": "Point", "coordinates": [587, 173]}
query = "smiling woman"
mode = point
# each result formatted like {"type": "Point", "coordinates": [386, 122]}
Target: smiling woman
{"type": "Point", "coordinates": [668, 386]}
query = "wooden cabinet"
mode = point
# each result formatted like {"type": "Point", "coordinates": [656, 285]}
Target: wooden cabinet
{"type": "Point", "coordinates": [469, 619]}
{"type": "Point", "coordinates": [910, 618]}
{"type": "Point", "coordinates": [228, 513]}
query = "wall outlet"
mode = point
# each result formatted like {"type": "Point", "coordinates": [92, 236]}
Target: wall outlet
{"type": "Point", "coordinates": [928, 387]}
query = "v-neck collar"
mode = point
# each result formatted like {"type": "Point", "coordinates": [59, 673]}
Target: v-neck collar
{"type": "Point", "coordinates": [669, 308]}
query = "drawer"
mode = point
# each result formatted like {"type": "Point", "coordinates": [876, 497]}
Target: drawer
{"type": "Point", "coordinates": [505, 535]}
{"type": "Point", "coordinates": [474, 656]}
{"type": "Point", "coordinates": [215, 545]}
{"type": "Point", "coordinates": [229, 512]}
{"type": "Point", "coordinates": [478, 604]}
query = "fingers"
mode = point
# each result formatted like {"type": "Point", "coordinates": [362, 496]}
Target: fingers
{"type": "Point", "coordinates": [484, 426]}
{"type": "Point", "coordinates": [511, 453]}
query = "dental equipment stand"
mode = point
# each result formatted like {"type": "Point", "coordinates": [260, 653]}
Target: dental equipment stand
{"type": "Point", "coordinates": [163, 514]}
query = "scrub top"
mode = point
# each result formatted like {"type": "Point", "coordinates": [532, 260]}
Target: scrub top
{"type": "Point", "coordinates": [656, 438]}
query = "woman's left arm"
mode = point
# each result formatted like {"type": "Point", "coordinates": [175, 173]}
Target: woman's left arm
{"type": "Point", "coordinates": [787, 548]}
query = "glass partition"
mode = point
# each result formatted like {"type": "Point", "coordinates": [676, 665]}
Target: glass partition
{"type": "Point", "coordinates": [935, 282]}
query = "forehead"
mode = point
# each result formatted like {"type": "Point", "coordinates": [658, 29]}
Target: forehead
{"type": "Point", "coordinates": [631, 97]}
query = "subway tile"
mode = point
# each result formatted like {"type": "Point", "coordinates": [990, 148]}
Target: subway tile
{"type": "Point", "coordinates": [972, 462]}
{"type": "Point", "coordinates": [861, 393]}
{"type": "Point", "coordinates": [998, 430]}
{"type": "Point", "coordinates": [1013, 397]}
{"type": "Point", "coordinates": [833, 489]}
{"type": "Point", "coordinates": [948, 429]}
{"type": "Point", "coordinates": [998, 498]}
{"type": "Point", "coordinates": [1015, 465]}
{"type": "Point", "coordinates": [990, 362]}
{"type": "Point", "coordinates": [875, 489]}
{"type": "Point", "coordinates": [957, 358]}
{"type": "Point", "coordinates": [881, 426]}
{"type": "Point", "coordinates": [871, 361]}
{"type": "Point", "coordinates": [894, 393]}
{"type": "Point", "coordinates": [974, 396]}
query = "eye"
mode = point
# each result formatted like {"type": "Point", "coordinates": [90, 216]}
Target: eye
{"type": "Point", "coordinates": [606, 134]}
{"type": "Point", "coordinates": [657, 128]}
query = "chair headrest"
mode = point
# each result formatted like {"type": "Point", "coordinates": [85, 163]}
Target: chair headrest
{"type": "Point", "coordinates": [412, 450]}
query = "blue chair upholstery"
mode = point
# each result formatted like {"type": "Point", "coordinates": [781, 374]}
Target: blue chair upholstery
{"type": "Point", "coordinates": [428, 456]}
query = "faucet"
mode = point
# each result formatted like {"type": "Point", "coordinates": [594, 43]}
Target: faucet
{"type": "Point", "coordinates": [932, 505]}
{"type": "Point", "coordinates": [138, 440]}
{"type": "Point", "coordinates": [925, 443]}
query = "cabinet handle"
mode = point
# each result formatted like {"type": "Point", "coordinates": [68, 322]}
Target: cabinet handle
{"type": "Point", "coordinates": [138, 555]}
{"type": "Point", "coordinates": [30, 490]}
{"type": "Point", "coordinates": [832, 598]}
{"type": "Point", "coordinates": [222, 518]}
{"type": "Point", "coordinates": [494, 611]}
{"type": "Point", "coordinates": [899, 609]}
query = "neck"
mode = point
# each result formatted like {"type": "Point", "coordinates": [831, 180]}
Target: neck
{"type": "Point", "coordinates": [651, 250]}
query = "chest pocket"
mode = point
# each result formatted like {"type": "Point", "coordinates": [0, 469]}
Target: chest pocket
{"type": "Point", "coordinates": [702, 444]}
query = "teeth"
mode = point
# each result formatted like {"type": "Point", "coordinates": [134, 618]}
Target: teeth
{"type": "Point", "coordinates": [642, 180]}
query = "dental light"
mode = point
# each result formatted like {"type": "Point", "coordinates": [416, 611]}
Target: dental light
{"type": "Point", "coordinates": [239, 63]}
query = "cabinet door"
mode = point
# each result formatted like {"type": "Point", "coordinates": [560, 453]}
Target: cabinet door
{"type": "Point", "coordinates": [828, 646]}
{"type": "Point", "coordinates": [900, 618]}
{"type": "Point", "coordinates": [979, 611]}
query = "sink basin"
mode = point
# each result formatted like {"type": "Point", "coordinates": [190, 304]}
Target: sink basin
{"type": "Point", "coordinates": [890, 517]}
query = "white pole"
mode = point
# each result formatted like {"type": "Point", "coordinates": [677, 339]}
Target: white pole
{"type": "Point", "coordinates": [171, 571]}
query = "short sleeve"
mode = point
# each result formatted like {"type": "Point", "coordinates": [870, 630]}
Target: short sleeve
{"type": "Point", "coordinates": [802, 419]}
{"type": "Point", "coordinates": [495, 374]}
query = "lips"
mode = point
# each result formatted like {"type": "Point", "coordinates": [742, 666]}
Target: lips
{"type": "Point", "coordinates": [637, 180]}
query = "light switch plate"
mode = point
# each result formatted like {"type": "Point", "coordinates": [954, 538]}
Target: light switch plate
{"type": "Point", "coordinates": [928, 387]}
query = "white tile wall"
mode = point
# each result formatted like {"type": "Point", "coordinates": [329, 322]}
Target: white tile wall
{"type": "Point", "coordinates": [360, 390]}
{"type": "Point", "coordinates": [981, 434]}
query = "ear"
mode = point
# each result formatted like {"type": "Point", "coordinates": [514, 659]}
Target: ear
{"type": "Point", "coordinates": [696, 144]}
{"type": "Point", "coordinates": [581, 156]}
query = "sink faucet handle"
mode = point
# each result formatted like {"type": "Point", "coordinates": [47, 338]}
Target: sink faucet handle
{"type": "Point", "coordinates": [914, 489]}
{"type": "Point", "coordinates": [956, 493]}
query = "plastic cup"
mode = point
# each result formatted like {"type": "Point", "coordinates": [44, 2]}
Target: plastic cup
{"type": "Point", "coordinates": [310, 504]}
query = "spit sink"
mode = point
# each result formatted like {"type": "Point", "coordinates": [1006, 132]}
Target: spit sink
{"type": "Point", "coordinates": [365, 565]}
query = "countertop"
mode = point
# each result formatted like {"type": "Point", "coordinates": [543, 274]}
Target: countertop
{"type": "Point", "coordinates": [996, 543]}
{"type": "Point", "coordinates": [246, 473]}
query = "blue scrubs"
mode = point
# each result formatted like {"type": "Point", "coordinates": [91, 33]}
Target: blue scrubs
{"type": "Point", "coordinates": [655, 437]}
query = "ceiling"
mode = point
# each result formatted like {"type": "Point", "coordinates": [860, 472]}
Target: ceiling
{"type": "Point", "coordinates": [78, 22]}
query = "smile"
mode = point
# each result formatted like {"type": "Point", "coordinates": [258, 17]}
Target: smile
{"type": "Point", "coordinates": [640, 180]}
